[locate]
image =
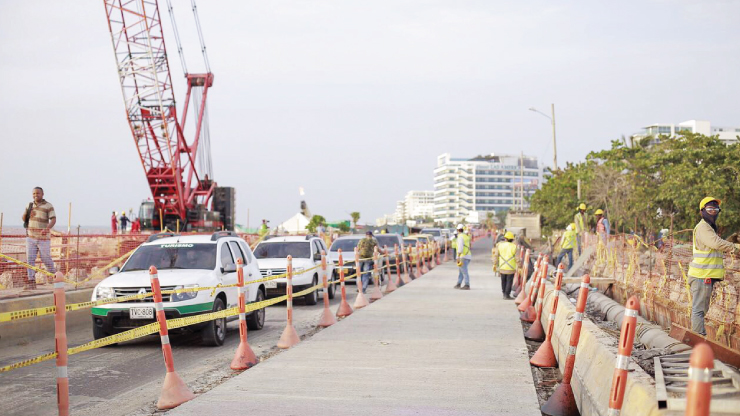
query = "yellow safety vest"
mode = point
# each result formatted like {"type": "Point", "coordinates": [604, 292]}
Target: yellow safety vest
{"type": "Point", "coordinates": [506, 256]}
{"type": "Point", "coordinates": [579, 222]}
{"type": "Point", "coordinates": [706, 264]}
{"type": "Point", "coordinates": [569, 240]}
{"type": "Point", "coordinates": [466, 246]}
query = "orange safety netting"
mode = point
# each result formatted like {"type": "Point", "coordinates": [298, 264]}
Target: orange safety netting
{"type": "Point", "coordinates": [83, 259]}
{"type": "Point", "coordinates": [657, 272]}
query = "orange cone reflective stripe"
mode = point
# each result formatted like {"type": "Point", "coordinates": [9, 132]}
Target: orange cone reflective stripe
{"type": "Point", "coordinates": [699, 392]}
{"type": "Point", "coordinates": [626, 339]}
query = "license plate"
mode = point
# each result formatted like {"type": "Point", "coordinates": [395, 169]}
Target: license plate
{"type": "Point", "coordinates": [271, 284]}
{"type": "Point", "coordinates": [141, 313]}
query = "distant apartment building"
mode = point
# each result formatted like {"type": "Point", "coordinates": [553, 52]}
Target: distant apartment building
{"type": "Point", "coordinates": [418, 204]}
{"type": "Point", "coordinates": [654, 131]}
{"type": "Point", "coordinates": [399, 216]}
{"type": "Point", "coordinates": [471, 187]}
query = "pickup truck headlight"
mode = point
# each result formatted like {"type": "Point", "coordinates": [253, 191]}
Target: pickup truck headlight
{"type": "Point", "coordinates": [299, 270]}
{"type": "Point", "coordinates": [178, 297]}
{"type": "Point", "coordinates": [105, 293]}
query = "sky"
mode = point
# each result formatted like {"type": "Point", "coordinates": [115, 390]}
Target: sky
{"type": "Point", "coordinates": [353, 101]}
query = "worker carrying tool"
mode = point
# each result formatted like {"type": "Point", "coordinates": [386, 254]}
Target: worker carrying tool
{"type": "Point", "coordinates": [707, 265]}
{"type": "Point", "coordinates": [463, 257]}
{"type": "Point", "coordinates": [581, 221]}
{"type": "Point", "coordinates": [567, 245]}
{"type": "Point", "coordinates": [505, 263]}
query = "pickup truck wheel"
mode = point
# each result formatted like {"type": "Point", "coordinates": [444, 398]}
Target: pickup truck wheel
{"type": "Point", "coordinates": [333, 288]}
{"type": "Point", "coordinates": [257, 319]}
{"type": "Point", "coordinates": [313, 297]}
{"type": "Point", "coordinates": [214, 334]}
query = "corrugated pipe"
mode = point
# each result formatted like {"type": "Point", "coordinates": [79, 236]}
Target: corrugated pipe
{"type": "Point", "coordinates": [648, 333]}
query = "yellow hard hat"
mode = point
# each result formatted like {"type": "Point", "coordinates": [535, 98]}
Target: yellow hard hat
{"type": "Point", "coordinates": [509, 235]}
{"type": "Point", "coordinates": [582, 206]}
{"type": "Point", "coordinates": [572, 226]}
{"type": "Point", "coordinates": [598, 212]}
{"type": "Point", "coordinates": [707, 200]}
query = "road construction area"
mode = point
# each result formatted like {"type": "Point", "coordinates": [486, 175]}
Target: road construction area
{"type": "Point", "coordinates": [425, 349]}
{"type": "Point", "coordinates": [126, 379]}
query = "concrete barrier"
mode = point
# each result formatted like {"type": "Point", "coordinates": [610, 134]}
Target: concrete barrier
{"type": "Point", "coordinates": [594, 367]}
{"type": "Point", "coordinates": [26, 330]}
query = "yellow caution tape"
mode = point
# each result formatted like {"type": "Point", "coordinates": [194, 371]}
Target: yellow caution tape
{"type": "Point", "coordinates": [129, 335]}
{"type": "Point", "coordinates": [26, 265]}
{"type": "Point", "coordinates": [30, 361]}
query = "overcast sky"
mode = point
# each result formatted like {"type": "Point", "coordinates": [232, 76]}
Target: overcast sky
{"type": "Point", "coordinates": [354, 100]}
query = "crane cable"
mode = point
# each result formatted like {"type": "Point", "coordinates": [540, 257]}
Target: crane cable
{"type": "Point", "coordinates": [200, 36]}
{"type": "Point", "coordinates": [177, 37]}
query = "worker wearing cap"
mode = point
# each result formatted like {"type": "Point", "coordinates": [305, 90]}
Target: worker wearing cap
{"type": "Point", "coordinates": [707, 265]}
{"type": "Point", "coordinates": [365, 249]}
{"type": "Point", "coordinates": [505, 262]}
{"type": "Point", "coordinates": [567, 245]}
{"type": "Point", "coordinates": [581, 221]}
{"type": "Point", "coordinates": [602, 226]}
{"type": "Point", "coordinates": [463, 257]}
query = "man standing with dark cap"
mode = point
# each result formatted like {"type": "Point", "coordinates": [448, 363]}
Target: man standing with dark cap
{"type": "Point", "coordinates": [707, 265]}
{"type": "Point", "coordinates": [365, 249]}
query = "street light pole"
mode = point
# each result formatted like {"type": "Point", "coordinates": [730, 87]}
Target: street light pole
{"type": "Point", "coordinates": [554, 144]}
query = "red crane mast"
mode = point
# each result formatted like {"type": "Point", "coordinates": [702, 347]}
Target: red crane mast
{"type": "Point", "coordinates": [181, 191]}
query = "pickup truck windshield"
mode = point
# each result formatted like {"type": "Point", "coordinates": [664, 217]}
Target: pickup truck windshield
{"type": "Point", "coordinates": [282, 250]}
{"type": "Point", "coordinates": [173, 256]}
{"type": "Point", "coordinates": [346, 244]}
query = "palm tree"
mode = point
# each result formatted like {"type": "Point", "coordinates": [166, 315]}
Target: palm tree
{"type": "Point", "coordinates": [355, 217]}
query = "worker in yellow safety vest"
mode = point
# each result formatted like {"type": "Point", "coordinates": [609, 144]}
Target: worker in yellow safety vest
{"type": "Point", "coordinates": [567, 244]}
{"type": "Point", "coordinates": [505, 263]}
{"type": "Point", "coordinates": [707, 265]}
{"type": "Point", "coordinates": [581, 222]}
{"type": "Point", "coordinates": [463, 257]}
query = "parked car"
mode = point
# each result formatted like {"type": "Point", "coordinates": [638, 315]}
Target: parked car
{"type": "Point", "coordinates": [306, 251]}
{"type": "Point", "coordinates": [390, 241]}
{"type": "Point", "coordinates": [437, 234]}
{"type": "Point", "coordinates": [181, 262]}
{"type": "Point", "coordinates": [347, 244]}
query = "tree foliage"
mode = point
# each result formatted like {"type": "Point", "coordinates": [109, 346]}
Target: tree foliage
{"type": "Point", "coordinates": [355, 217]}
{"type": "Point", "coordinates": [314, 223]}
{"type": "Point", "coordinates": [643, 187]}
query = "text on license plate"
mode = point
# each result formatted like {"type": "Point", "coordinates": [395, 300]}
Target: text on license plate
{"type": "Point", "coordinates": [141, 313]}
{"type": "Point", "coordinates": [270, 284]}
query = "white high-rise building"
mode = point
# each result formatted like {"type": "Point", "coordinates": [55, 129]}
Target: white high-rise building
{"type": "Point", "coordinates": [470, 187]}
{"type": "Point", "coordinates": [400, 214]}
{"type": "Point", "coordinates": [727, 134]}
{"type": "Point", "coordinates": [418, 204]}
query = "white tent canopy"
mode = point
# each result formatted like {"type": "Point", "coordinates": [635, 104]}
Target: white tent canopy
{"type": "Point", "coordinates": [295, 224]}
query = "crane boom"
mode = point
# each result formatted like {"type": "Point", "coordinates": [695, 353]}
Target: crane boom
{"type": "Point", "coordinates": [180, 192]}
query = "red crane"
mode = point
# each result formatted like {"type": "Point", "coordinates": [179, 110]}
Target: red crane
{"type": "Point", "coordinates": [178, 170]}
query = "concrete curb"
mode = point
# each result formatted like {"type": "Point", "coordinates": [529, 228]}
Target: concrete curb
{"type": "Point", "coordinates": [594, 367]}
{"type": "Point", "coordinates": [25, 330]}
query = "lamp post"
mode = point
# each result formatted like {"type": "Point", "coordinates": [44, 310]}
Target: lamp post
{"type": "Point", "coordinates": [554, 146]}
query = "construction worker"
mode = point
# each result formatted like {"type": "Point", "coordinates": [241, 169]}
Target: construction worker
{"type": "Point", "coordinates": [567, 244]}
{"type": "Point", "coordinates": [113, 223]}
{"type": "Point", "coordinates": [707, 265]}
{"type": "Point", "coordinates": [602, 226]}
{"type": "Point", "coordinates": [124, 221]}
{"type": "Point", "coordinates": [263, 228]}
{"type": "Point", "coordinates": [366, 249]}
{"type": "Point", "coordinates": [581, 221]}
{"type": "Point", "coordinates": [463, 257]}
{"type": "Point", "coordinates": [521, 240]}
{"type": "Point", "coordinates": [505, 262]}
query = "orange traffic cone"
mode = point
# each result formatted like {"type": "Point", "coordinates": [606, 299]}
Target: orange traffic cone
{"type": "Point", "coordinates": [289, 337]}
{"type": "Point", "coordinates": [244, 356]}
{"type": "Point", "coordinates": [344, 308]}
{"type": "Point", "coordinates": [377, 294]}
{"type": "Point", "coordinates": [327, 318]}
{"type": "Point", "coordinates": [391, 286]}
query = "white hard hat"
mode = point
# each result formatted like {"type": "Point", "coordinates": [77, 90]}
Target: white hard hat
{"type": "Point", "coordinates": [460, 226]}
